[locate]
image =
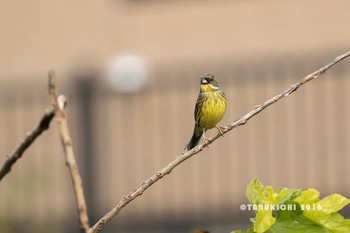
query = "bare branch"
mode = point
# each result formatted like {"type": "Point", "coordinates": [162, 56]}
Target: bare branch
{"type": "Point", "coordinates": [27, 141]}
{"type": "Point", "coordinates": [187, 154]}
{"type": "Point", "coordinates": [59, 103]}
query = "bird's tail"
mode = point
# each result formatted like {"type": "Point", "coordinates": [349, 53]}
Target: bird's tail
{"type": "Point", "coordinates": [197, 134]}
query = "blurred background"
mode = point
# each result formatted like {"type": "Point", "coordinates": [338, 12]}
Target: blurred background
{"type": "Point", "coordinates": [130, 70]}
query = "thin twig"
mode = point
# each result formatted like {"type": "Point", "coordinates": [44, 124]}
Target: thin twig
{"type": "Point", "coordinates": [59, 103]}
{"type": "Point", "coordinates": [186, 155]}
{"type": "Point", "coordinates": [27, 141]}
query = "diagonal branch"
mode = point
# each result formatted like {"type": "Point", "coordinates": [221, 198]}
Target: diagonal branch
{"type": "Point", "coordinates": [27, 141]}
{"type": "Point", "coordinates": [187, 154]}
{"type": "Point", "coordinates": [59, 103]}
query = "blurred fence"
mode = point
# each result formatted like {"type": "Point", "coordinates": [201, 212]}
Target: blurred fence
{"type": "Point", "coordinates": [121, 140]}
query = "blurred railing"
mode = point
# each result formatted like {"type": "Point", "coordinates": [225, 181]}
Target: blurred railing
{"type": "Point", "coordinates": [123, 139]}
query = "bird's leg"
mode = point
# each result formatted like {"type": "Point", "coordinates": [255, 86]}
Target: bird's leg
{"type": "Point", "coordinates": [220, 129]}
{"type": "Point", "coordinates": [205, 139]}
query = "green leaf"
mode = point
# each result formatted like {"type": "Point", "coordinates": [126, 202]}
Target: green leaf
{"type": "Point", "coordinates": [286, 194]}
{"type": "Point", "coordinates": [309, 196]}
{"type": "Point", "coordinates": [293, 226]}
{"type": "Point", "coordinates": [263, 221]}
{"type": "Point", "coordinates": [324, 212]}
{"type": "Point", "coordinates": [269, 195]}
{"type": "Point", "coordinates": [249, 230]}
{"type": "Point", "coordinates": [290, 213]}
{"type": "Point", "coordinates": [333, 203]}
{"type": "Point", "coordinates": [255, 191]}
{"type": "Point", "coordinates": [336, 223]}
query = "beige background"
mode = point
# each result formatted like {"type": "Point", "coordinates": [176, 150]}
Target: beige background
{"type": "Point", "coordinates": [255, 48]}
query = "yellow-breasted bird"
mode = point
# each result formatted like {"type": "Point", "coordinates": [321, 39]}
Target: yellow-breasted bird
{"type": "Point", "coordinates": [209, 110]}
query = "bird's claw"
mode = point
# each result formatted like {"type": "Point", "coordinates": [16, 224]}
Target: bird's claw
{"type": "Point", "coordinates": [206, 142]}
{"type": "Point", "coordinates": [220, 129]}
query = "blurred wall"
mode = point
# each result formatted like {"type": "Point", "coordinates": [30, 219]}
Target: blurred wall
{"type": "Point", "coordinates": [38, 35]}
{"type": "Point", "coordinates": [255, 48]}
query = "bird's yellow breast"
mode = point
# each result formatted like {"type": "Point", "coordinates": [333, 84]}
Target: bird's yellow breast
{"type": "Point", "coordinates": [213, 109]}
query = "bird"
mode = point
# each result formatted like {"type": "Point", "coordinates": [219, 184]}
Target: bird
{"type": "Point", "coordinates": [209, 110]}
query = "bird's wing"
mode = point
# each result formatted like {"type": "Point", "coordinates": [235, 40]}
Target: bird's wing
{"type": "Point", "coordinates": [198, 108]}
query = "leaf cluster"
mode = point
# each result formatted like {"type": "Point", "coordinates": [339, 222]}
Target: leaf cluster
{"type": "Point", "coordinates": [295, 210]}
